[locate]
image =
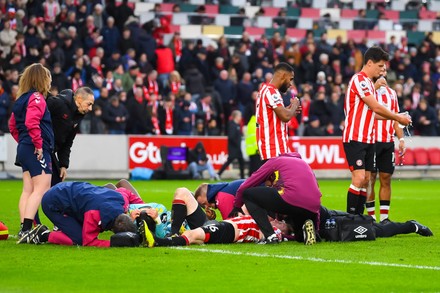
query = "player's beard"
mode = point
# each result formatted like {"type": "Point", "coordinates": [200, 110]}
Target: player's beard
{"type": "Point", "coordinates": [283, 89]}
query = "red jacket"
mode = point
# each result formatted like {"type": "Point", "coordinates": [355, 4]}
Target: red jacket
{"type": "Point", "coordinates": [165, 60]}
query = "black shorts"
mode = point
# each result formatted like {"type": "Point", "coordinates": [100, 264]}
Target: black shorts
{"type": "Point", "coordinates": [359, 155]}
{"type": "Point", "coordinates": [384, 157]}
{"type": "Point", "coordinates": [220, 232]}
{"type": "Point", "coordinates": [196, 219]}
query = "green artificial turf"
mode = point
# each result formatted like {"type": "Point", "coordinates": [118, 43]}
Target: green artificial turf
{"type": "Point", "coordinates": [404, 263]}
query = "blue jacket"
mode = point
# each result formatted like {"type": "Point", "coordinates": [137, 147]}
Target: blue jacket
{"type": "Point", "coordinates": [31, 118]}
{"type": "Point", "coordinates": [77, 198]}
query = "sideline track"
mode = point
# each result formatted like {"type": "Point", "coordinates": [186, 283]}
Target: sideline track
{"type": "Point", "coordinates": [312, 259]}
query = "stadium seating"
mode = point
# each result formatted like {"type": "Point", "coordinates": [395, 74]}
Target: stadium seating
{"type": "Point", "coordinates": [187, 7]}
{"type": "Point", "coordinates": [391, 14]}
{"type": "Point", "coordinates": [310, 13]}
{"type": "Point", "coordinates": [335, 13]}
{"type": "Point", "coordinates": [293, 12]}
{"type": "Point", "coordinates": [264, 21]}
{"type": "Point", "coordinates": [398, 5]}
{"type": "Point", "coordinates": [305, 23]}
{"type": "Point", "coordinates": [229, 9]}
{"type": "Point", "coordinates": [223, 20]}
{"type": "Point", "coordinates": [360, 4]}
{"type": "Point", "coordinates": [408, 15]}
{"type": "Point", "coordinates": [415, 38]}
{"type": "Point", "coordinates": [271, 31]}
{"type": "Point", "coordinates": [213, 31]}
{"type": "Point", "coordinates": [180, 19]}
{"type": "Point", "coordinates": [377, 36]}
{"type": "Point", "coordinates": [372, 14]}
{"type": "Point", "coordinates": [280, 3]}
{"type": "Point", "coordinates": [434, 156]}
{"type": "Point", "coordinates": [357, 35]}
{"type": "Point", "coordinates": [346, 24]}
{"type": "Point", "coordinates": [296, 33]}
{"type": "Point", "coordinates": [255, 31]}
{"type": "Point", "coordinates": [190, 31]}
{"type": "Point", "coordinates": [349, 13]}
{"type": "Point", "coordinates": [333, 34]}
{"type": "Point", "coordinates": [420, 156]}
{"type": "Point", "coordinates": [424, 25]}
{"type": "Point", "coordinates": [166, 7]}
{"type": "Point", "coordinates": [271, 11]}
{"type": "Point", "coordinates": [426, 14]}
{"type": "Point", "coordinates": [234, 30]}
{"type": "Point", "coordinates": [407, 160]}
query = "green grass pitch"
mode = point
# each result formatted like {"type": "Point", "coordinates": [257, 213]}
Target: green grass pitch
{"type": "Point", "coordinates": [405, 263]}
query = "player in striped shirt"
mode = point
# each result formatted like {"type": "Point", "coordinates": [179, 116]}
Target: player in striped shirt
{"type": "Point", "coordinates": [360, 110]}
{"type": "Point", "coordinates": [234, 230]}
{"type": "Point", "coordinates": [384, 160]}
{"type": "Point", "coordinates": [272, 116]}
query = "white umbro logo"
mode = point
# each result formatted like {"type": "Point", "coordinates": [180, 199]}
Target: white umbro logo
{"type": "Point", "coordinates": [360, 230]}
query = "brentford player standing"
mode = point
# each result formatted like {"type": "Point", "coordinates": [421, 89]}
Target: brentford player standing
{"type": "Point", "coordinates": [272, 116]}
{"type": "Point", "coordinates": [384, 159]}
{"type": "Point", "coordinates": [358, 137]}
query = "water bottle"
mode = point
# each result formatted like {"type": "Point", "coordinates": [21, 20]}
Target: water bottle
{"type": "Point", "coordinates": [407, 114]}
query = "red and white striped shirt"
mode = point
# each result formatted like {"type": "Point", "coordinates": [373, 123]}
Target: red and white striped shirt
{"type": "Point", "coordinates": [248, 230]}
{"type": "Point", "coordinates": [384, 129]}
{"type": "Point", "coordinates": [359, 118]}
{"type": "Point", "coordinates": [272, 134]}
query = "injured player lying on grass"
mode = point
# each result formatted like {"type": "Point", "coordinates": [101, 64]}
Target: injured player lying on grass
{"type": "Point", "coordinates": [244, 229]}
{"type": "Point", "coordinates": [239, 229]}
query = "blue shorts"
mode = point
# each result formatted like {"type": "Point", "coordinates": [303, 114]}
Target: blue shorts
{"type": "Point", "coordinates": [28, 160]}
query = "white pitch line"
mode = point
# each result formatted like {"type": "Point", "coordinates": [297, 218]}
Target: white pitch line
{"type": "Point", "coordinates": [312, 259]}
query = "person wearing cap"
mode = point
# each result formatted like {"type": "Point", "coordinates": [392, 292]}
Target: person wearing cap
{"type": "Point", "coordinates": [67, 109]}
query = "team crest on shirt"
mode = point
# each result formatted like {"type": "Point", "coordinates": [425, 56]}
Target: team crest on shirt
{"type": "Point", "coordinates": [276, 97]}
{"type": "Point", "coordinates": [359, 163]}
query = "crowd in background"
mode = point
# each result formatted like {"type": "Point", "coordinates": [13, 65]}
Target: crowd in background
{"type": "Point", "coordinates": [143, 85]}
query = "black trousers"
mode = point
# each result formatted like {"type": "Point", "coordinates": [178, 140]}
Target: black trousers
{"type": "Point", "coordinates": [382, 230]}
{"type": "Point", "coordinates": [55, 170]}
{"type": "Point", "coordinates": [259, 200]}
{"type": "Point", "coordinates": [229, 161]}
{"type": "Point", "coordinates": [254, 163]}
{"type": "Point", "coordinates": [393, 228]}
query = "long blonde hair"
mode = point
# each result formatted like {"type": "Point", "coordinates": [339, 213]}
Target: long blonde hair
{"type": "Point", "coordinates": [36, 77]}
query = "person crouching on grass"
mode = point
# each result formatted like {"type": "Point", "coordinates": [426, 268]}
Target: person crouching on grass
{"type": "Point", "coordinates": [81, 211]}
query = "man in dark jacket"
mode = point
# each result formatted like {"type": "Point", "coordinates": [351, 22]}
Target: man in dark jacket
{"type": "Point", "coordinates": [234, 143]}
{"type": "Point", "coordinates": [67, 109]}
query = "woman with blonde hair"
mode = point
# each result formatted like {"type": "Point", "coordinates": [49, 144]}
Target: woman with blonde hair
{"type": "Point", "coordinates": [31, 127]}
{"type": "Point", "coordinates": [175, 83]}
